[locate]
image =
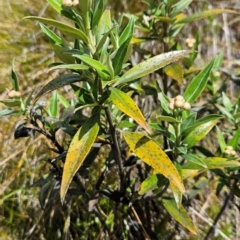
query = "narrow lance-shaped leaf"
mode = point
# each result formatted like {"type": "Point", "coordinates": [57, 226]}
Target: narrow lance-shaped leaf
{"type": "Point", "coordinates": [97, 13]}
{"type": "Point", "coordinates": [61, 53]}
{"type": "Point", "coordinates": [149, 152]}
{"type": "Point", "coordinates": [177, 194]}
{"type": "Point", "coordinates": [150, 65]}
{"type": "Point", "coordinates": [218, 162]}
{"type": "Point", "coordinates": [69, 66]}
{"type": "Point", "coordinates": [221, 140]}
{"type": "Point", "coordinates": [202, 15]}
{"type": "Point", "coordinates": [68, 30]}
{"type": "Point", "coordinates": [56, 4]}
{"type": "Point", "coordinates": [198, 84]}
{"type": "Point", "coordinates": [180, 6]}
{"type": "Point", "coordinates": [104, 25]}
{"type": "Point", "coordinates": [11, 102]}
{"type": "Point", "coordinates": [155, 181]}
{"type": "Point", "coordinates": [6, 112]}
{"type": "Point", "coordinates": [195, 123]}
{"type": "Point", "coordinates": [54, 38]}
{"type": "Point", "coordinates": [53, 107]}
{"type": "Point", "coordinates": [79, 148]}
{"type": "Point", "coordinates": [149, 184]}
{"type": "Point", "coordinates": [127, 32]}
{"type": "Point", "coordinates": [234, 142]}
{"type": "Point", "coordinates": [198, 133]}
{"type": "Point", "coordinates": [98, 66]}
{"type": "Point", "coordinates": [128, 106]}
{"type": "Point", "coordinates": [57, 83]}
{"type": "Point", "coordinates": [210, 163]}
{"type": "Point", "coordinates": [180, 215]}
{"type": "Point", "coordinates": [118, 59]}
{"type": "Point", "coordinates": [14, 78]}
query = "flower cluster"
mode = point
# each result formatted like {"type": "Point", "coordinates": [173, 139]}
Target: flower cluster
{"type": "Point", "coordinates": [179, 102]}
{"type": "Point", "coordinates": [230, 151]}
{"type": "Point", "coordinates": [70, 3]}
{"type": "Point", "coordinates": [190, 42]}
{"type": "Point", "coordinates": [13, 93]}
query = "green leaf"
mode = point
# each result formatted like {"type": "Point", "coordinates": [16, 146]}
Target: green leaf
{"type": "Point", "coordinates": [198, 84]}
{"type": "Point", "coordinates": [224, 111]}
{"type": "Point", "coordinates": [218, 162]}
{"type": "Point", "coordinates": [79, 148]}
{"type": "Point", "coordinates": [6, 112]}
{"type": "Point", "coordinates": [103, 39]}
{"type": "Point", "coordinates": [167, 119]}
{"type": "Point", "coordinates": [235, 140]}
{"type": "Point", "coordinates": [177, 194]}
{"type": "Point", "coordinates": [128, 106]}
{"type": "Point", "coordinates": [198, 163]}
{"type": "Point", "coordinates": [194, 162]}
{"type": "Point", "coordinates": [221, 139]}
{"type": "Point", "coordinates": [54, 38]}
{"type": "Point", "coordinates": [53, 106]}
{"type": "Point", "coordinates": [57, 83]}
{"type": "Point", "coordinates": [202, 15]}
{"type": "Point", "coordinates": [180, 215]}
{"type": "Point", "coordinates": [56, 4]}
{"type": "Point", "coordinates": [68, 30]}
{"type": "Point", "coordinates": [198, 133]}
{"type": "Point", "coordinates": [150, 65]}
{"type": "Point", "coordinates": [11, 102]}
{"type": "Point", "coordinates": [127, 32]}
{"type": "Point", "coordinates": [97, 12]}
{"type": "Point", "coordinates": [151, 183]}
{"type": "Point", "coordinates": [118, 59]}
{"type": "Point", "coordinates": [164, 101]}
{"type": "Point", "coordinates": [70, 66]}
{"type": "Point", "coordinates": [180, 6]}
{"type": "Point", "coordinates": [189, 121]}
{"type": "Point", "coordinates": [227, 102]}
{"type": "Point", "coordinates": [126, 124]}
{"type": "Point", "coordinates": [150, 152]}
{"type": "Point", "coordinates": [175, 71]}
{"type": "Point", "coordinates": [14, 78]}
{"type": "Point", "coordinates": [194, 124]}
{"type": "Point", "coordinates": [98, 66]}
{"type": "Point", "coordinates": [61, 53]}
{"type": "Point", "coordinates": [104, 25]}
{"type": "Point", "coordinates": [63, 101]}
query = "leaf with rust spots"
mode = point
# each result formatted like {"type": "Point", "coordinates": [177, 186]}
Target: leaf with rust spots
{"type": "Point", "coordinates": [149, 152]}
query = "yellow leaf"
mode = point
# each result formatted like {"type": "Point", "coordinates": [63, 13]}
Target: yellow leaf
{"type": "Point", "coordinates": [78, 150]}
{"type": "Point", "coordinates": [128, 106]}
{"type": "Point", "coordinates": [176, 194]}
{"type": "Point", "coordinates": [149, 152]}
{"type": "Point", "coordinates": [174, 71]}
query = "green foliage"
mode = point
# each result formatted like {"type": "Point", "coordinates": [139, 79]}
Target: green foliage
{"type": "Point", "coordinates": [106, 141]}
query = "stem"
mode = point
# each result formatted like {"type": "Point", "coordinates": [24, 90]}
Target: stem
{"type": "Point", "coordinates": [213, 227]}
{"type": "Point", "coordinates": [116, 150]}
{"type": "Point", "coordinates": [140, 223]}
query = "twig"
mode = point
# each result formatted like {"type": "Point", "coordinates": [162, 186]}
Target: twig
{"type": "Point", "coordinates": [209, 223]}
{"type": "Point", "coordinates": [116, 150]}
{"type": "Point", "coordinates": [140, 223]}
{"type": "Point", "coordinates": [213, 227]}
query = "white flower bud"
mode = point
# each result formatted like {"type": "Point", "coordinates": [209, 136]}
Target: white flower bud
{"type": "Point", "coordinates": [178, 103]}
{"type": "Point", "coordinates": [187, 106]}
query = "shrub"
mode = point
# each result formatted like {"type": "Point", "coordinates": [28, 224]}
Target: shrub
{"type": "Point", "coordinates": [132, 145]}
